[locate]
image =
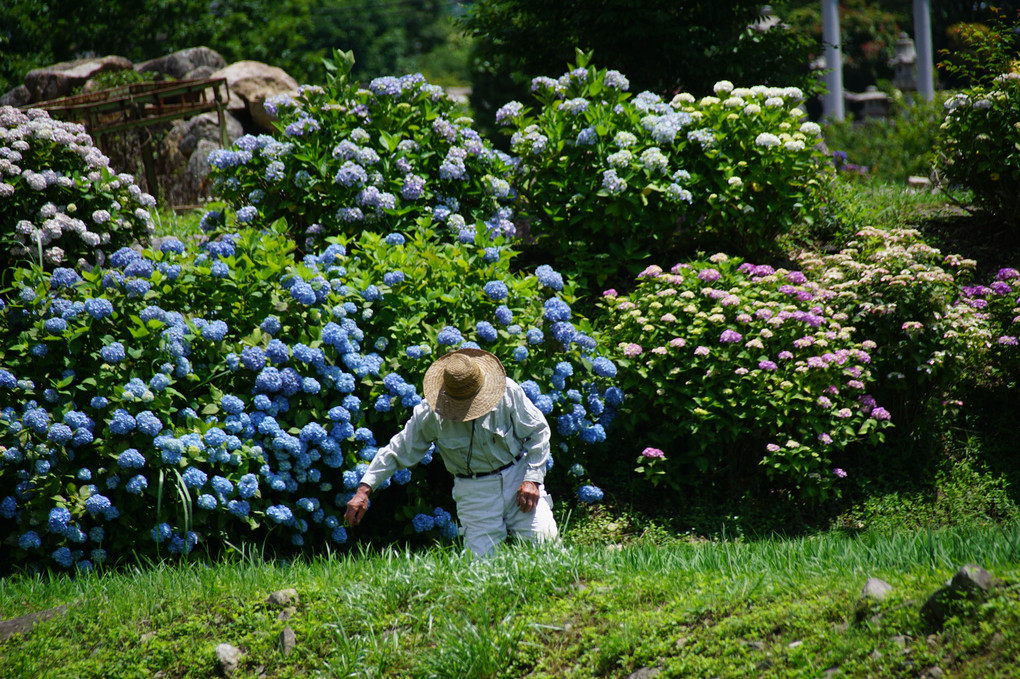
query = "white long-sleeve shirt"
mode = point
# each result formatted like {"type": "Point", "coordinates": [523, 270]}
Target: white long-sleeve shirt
{"type": "Point", "coordinates": [513, 427]}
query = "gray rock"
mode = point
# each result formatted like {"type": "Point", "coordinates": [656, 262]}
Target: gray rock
{"type": "Point", "coordinates": [283, 598]}
{"type": "Point", "coordinates": [286, 614]}
{"type": "Point", "coordinates": [197, 169]}
{"type": "Point", "coordinates": [185, 135]}
{"type": "Point", "coordinates": [644, 673]}
{"type": "Point", "coordinates": [876, 590]}
{"type": "Point", "coordinates": [970, 583]}
{"type": "Point", "coordinates": [200, 73]}
{"type": "Point", "coordinates": [59, 80]}
{"type": "Point", "coordinates": [287, 640]}
{"type": "Point", "coordinates": [19, 96]}
{"type": "Point", "coordinates": [251, 83]}
{"type": "Point", "coordinates": [179, 64]}
{"type": "Point", "coordinates": [972, 579]}
{"type": "Point", "coordinates": [228, 657]}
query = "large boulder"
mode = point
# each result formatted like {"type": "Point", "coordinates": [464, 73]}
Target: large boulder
{"type": "Point", "coordinates": [59, 80]}
{"type": "Point", "coordinates": [188, 64]}
{"type": "Point", "coordinates": [186, 150]}
{"type": "Point", "coordinates": [251, 83]}
{"type": "Point", "coordinates": [17, 97]}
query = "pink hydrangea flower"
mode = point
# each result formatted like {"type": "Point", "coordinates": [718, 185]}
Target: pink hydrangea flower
{"type": "Point", "coordinates": [653, 452]}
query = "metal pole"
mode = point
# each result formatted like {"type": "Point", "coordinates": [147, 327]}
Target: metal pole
{"type": "Point", "coordinates": [922, 40]}
{"type": "Point", "coordinates": [833, 103]}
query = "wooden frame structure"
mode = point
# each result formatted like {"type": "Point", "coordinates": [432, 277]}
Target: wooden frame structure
{"type": "Point", "coordinates": [140, 105]}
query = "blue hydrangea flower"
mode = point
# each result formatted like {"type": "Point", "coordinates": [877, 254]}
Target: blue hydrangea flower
{"type": "Point", "coordinates": [486, 331]}
{"type": "Point", "coordinates": [555, 309]}
{"type": "Point", "coordinates": [423, 522]}
{"type": "Point", "coordinates": [55, 326]}
{"type": "Point", "coordinates": [207, 502]}
{"type": "Point", "coordinates": [29, 540]}
{"type": "Point", "coordinates": [271, 325]}
{"type": "Point", "coordinates": [7, 379]}
{"type": "Point", "coordinates": [232, 404]}
{"type": "Point", "coordinates": [62, 555]}
{"type": "Point", "coordinates": [303, 293]}
{"type": "Point", "coordinates": [131, 459]}
{"type": "Point", "coordinates": [161, 532]}
{"type": "Point", "coordinates": [113, 352]}
{"type": "Point", "coordinates": [449, 335]}
{"type": "Point", "coordinates": [535, 336]}
{"type": "Point", "coordinates": [253, 358]}
{"type": "Point", "coordinates": [549, 278]}
{"type": "Point", "coordinates": [603, 367]}
{"type": "Point", "coordinates": [280, 514]}
{"type": "Point", "coordinates": [496, 290]}
{"type": "Point", "coordinates": [239, 508]}
{"type": "Point", "coordinates": [589, 494]}
{"type": "Point", "coordinates": [520, 353]}
{"type": "Point", "coordinates": [194, 478]}
{"type": "Point", "coordinates": [137, 485]}
{"type": "Point", "coordinates": [59, 434]}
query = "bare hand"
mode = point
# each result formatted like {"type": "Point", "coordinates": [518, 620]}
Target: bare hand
{"type": "Point", "coordinates": [357, 506]}
{"type": "Point", "coordinates": [527, 496]}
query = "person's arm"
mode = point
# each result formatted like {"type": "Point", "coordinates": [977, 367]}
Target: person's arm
{"type": "Point", "coordinates": [405, 449]}
{"type": "Point", "coordinates": [532, 430]}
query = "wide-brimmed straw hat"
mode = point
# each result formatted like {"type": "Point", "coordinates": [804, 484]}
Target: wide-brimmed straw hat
{"type": "Point", "coordinates": [465, 384]}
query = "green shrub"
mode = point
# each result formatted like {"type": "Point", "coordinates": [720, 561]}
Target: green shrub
{"type": "Point", "coordinates": [223, 391]}
{"type": "Point", "coordinates": [978, 145]}
{"type": "Point", "coordinates": [891, 148]}
{"type": "Point", "coordinates": [60, 202]}
{"type": "Point", "coordinates": [379, 159]}
{"type": "Point", "coordinates": [739, 374]}
{"type": "Point", "coordinates": [608, 181]}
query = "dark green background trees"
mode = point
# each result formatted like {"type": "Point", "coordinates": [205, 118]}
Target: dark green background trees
{"type": "Point", "coordinates": [387, 36]}
{"type": "Point", "coordinates": [661, 45]}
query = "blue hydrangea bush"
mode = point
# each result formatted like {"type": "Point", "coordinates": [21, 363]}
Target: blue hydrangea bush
{"type": "Point", "coordinates": [746, 376]}
{"type": "Point", "coordinates": [60, 202]}
{"type": "Point", "coordinates": [226, 389]}
{"type": "Point", "coordinates": [351, 159]}
{"type": "Point", "coordinates": [610, 181]}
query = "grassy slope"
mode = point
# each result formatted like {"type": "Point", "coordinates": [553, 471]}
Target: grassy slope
{"type": "Point", "coordinates": [727, 609]}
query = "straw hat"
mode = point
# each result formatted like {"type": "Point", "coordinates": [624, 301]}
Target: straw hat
{"type": "Point", "coordinates": [465, 384]}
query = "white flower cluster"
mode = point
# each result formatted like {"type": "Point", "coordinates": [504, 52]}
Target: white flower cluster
{"type": "Point", "coordinates": [44, 202]}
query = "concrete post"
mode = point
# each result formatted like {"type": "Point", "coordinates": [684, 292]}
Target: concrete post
{"type": "Point", "coordinates": [832, 105]}
{"type": "Point", "coordinates": [922, 42]}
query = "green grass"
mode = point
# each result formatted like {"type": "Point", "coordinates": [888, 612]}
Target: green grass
{"type": "Point", "coordinates": [691, 608]}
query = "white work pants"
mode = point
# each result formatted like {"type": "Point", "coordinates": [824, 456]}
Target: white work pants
{"type": "Point", "coordinates": [487, 508]}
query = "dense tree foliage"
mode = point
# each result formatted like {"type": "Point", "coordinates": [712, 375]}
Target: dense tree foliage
{"type": "Point", "coordinates": [662, 45]}
{"type": "Point", "coordinates": [389, 36]}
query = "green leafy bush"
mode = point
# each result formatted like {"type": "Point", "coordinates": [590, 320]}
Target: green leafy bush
{"type": "Point", "coordinates": [222, 390]}
{"type": "Point", "coordinates": [739, 373]}
{"type": "Point", "coordinates": [60, 203]}
{"type": "Point", "coordinates": [353, 159]}
{"type": "Point", "coordinates": [891, 148]}
{"type": "Point", "coordinates": [979, 145]}
{"type": "Point", "coordinates": [608, 181]}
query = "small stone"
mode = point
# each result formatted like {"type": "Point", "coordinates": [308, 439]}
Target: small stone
{"type": "Point", "coordinates": [283, 598]}
{"type": "Point", "coordinates": [287, 640]}
{"type": "Point", "coordinates": [795, 644]}
{"type": "Point", "coordinates": [228, 658]}
{"type": "Point", "coordinates": [934, 672]}
{"type": "Point", "coordinates": [753, 645]}
{"type": "Point", "coordinates": [147, 637]}
{"type": "Point", "coordinates": [876, 589]}
{"type": "Point", "coordinates": [286, 614]}
{"type": "Point", "coordinates": [644, 673]}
